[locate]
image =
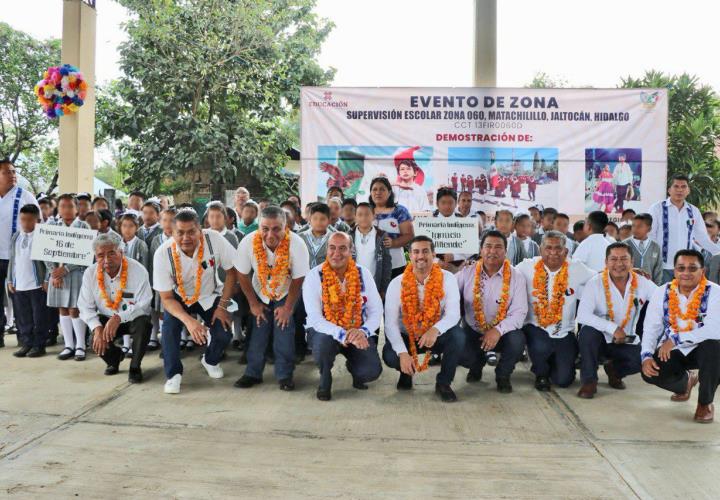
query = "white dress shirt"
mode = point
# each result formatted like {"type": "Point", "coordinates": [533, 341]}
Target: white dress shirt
{"type": "Point", "coordinates": [372, 308]}
{"type": "Point", "coordinates": [591, 252]}
{"type": "Point", "coordinates": [211, 287]}
{"type": "Point", "coordinates": [299, 263]}
{"type": "Point", "coordinates": [578, 275]}
{"type": "Point", "coordinates": [24, 278]}
{"type": "Point", "coordinates": [654, 333]}
{"type": "Point", "coordinates": [449, 309]}
{"type": "Point", "coordinates": [137, 295]}
{"type": "Point", "coordinates": [365, 249]}
{"type": "Point", "coordinates": [678, 226]}
{"type": "Point", "coordinates": [7, 205]}
{"type": "Point", "coordinates": [593, 310]}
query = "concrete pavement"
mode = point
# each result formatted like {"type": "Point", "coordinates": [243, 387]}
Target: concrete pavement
{"type": "Point", "coordinates": [69, 431]}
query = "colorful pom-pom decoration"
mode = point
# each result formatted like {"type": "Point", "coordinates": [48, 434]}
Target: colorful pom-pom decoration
{"type": "Point", "coordinates": [62, 91]}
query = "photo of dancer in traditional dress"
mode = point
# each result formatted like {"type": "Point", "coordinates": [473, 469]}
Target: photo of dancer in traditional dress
{"type": "Point", "coordinates": [612, 179]}
{"type": "Point", "coordinates": [514, 178]}
{"type": "Point", "coordinates": [351, 168]}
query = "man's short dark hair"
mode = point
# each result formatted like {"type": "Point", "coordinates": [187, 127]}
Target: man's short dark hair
{"type": "Point", "coordinates": [578, 226]}
{"type": "Point", "coordinates": [137, 193]}
{"type": "Point", "coordinates": [424, 239]}
{"type": "Point", "coordinates": [446, 191]}
{"type": "Point", "coordinates": [617, 244]}
{"type": "Point", "coordinates": [679, 177]}
{"type": "Point", "coordinates": [30, 208]}
{"type": "Point", "coordinates": [187, 216]}
{"type": "Point", "coordinates": [494, 234]}
{"type": "Point", "coordinates": [689, 253]}
{"type": "Point", "coordinates": [562, 216]}
{"type": "Point", "coordinates": [550, 211]}
{"type": "Point", "coordinates": [67, 196]}
{"type": "Point", "coordinates": [628, 211]}
{"type": "Point", "coordinates": [644, 217]}
{"type": "Point", "coordinates": [320, 208]}
{"type": "Point", "coordinates": [597, 220]}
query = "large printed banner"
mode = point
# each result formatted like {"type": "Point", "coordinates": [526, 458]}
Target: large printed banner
{"type": "Point", "coordinates": [577, 150]}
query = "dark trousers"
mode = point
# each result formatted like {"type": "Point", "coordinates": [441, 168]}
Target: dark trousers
{"type": "Point", "coordinates": [53, 320]}
{"type": "Point", "coordinates": [450, 344]}
{"type": "Point", "coordinates": [31, 316]}
{"type": "Point", "coordinates": [363, 364]}
{"type": "Point", "coordinates": [554, 358]}
{"type": "Point", "coordinates": [301, 343]}
{"type": "Point", "coordinates": [511, 345]}
{"type": "Point", "coordinates": [139, 329]}
{"type": "Point", "coordinates": [673, 373]}
{"type": "Point", "coordinates": [593, 347]}
{"type": "Point", "coordinates": [283, 343]}
{"type": "Point", "coordinates": [3, 278]}
{"type": "Point", "coordinates": [172, 327]}
{"type": "Point", "coordinates": [620, 194]}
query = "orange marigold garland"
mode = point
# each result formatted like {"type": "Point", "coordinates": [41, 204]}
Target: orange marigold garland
{"type": "Point", "coordinates": [478, 303]}
{"type": "Point", "coordinates": [548, 310]}
{"type": "Point", "coordinates": [418, 318]}
{"type": "Point", "coordinates": [179, 275]}
{"type": "Point", "coordinates": [690, 315]}
{"type": "Point", "coordinates": [113, 305]}
{"type": "Point", "coordinates": [342, 308]}
{"type": "Point", "coordinates": [271, 279]}
{"type": "Point", "coordinates": [608, 297]}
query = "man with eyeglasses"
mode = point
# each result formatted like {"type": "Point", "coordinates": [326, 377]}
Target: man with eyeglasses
{"type": "Point", "coordinates": [682, 333]}
{"type": "Point", "coordinates": [678, 225]}
{"type": "Point", "coordinates": [609, 311]}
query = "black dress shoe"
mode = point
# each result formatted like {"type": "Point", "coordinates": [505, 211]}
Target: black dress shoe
{"type": "Point", "coordinates": [153, 345]}
{"type": "Point", "coordinates": [361, 386]}
{"type": "Point", "coordinates": [52, 340]}
{"type": "Point", "coordinates": [135, 376]}
{"type": "Point", "coordinates": [404, 382]}
{"type": "Point", "coordinates": [324, 394]}
{"type": "Point", "coordinates": [446, 393]}
{"type": "Point", "coordinates": [474, 376]}
{"type": "Point", "coordinates": [287, 384]}
{"type": "Point", "coordinates": [235, 344]}
{"type": "Point", "coordinates": [66, 353]}
{"type": "Point", "coordinates": [504, 386]}
{"type": "Point", "coordinates": [22, 352]}
{"type": "Point", "coordinates": [542, 384]}
{"type": "Point", "coordinates": [111, 369]}
{"type": "Point", "coordinates": [246, 381]}
{"type": "Point", "coordinates": [36, 352]}
{"type": "Point", "coordinates": [2, 341]}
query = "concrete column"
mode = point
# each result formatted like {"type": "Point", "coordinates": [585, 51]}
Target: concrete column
{"type": "Point", "coordinates": [77, 132]}
{"type": "Point", "coordinates": [485, 73]}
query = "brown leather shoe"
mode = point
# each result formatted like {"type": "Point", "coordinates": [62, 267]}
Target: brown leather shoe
{"type": "Point", "coordinates": [614, 380]}
{"type": "Point", "coordinates": [704, 414]}
{"type": "Point", "coordinates": [587, 391]}
{"type": "Point", "coordinates": [684, 396]}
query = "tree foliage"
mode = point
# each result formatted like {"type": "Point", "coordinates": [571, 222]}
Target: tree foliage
{"type": "Point", "coordinates": [24, 130]}
{"type": "Point", "coordinates": [693, 132]}
{"type": "Point", "coordinates": [209, 87]}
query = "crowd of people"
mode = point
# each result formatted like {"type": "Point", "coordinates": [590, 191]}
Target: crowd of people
{"type": "Point", "coordinates": [279, 281]}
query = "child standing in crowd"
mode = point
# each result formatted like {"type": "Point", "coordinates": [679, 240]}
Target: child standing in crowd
{"type": "Point", "coordinates": [317, 235]}
{"type": "Point", "coordinates": [504, 224]}
{"type": "Point", "coordinates": [63, 283]}
{"type": "Point", "coordinates": [83, 205]}
{"type": "Point", "coordinates": [369, 248]}
{"type": "Point", "coordinates": [290, 215]}
{"type": "Point", "coordinates": [232, 222]}
{"type": "Point", "coordinates": [133, 248]}
{"type": "Point", "coordinates": [92, 219]}
{"type": "Point", "coordinates": [167, 217]}
{"type": "Point", "coordinates": [26, 284]}
{"type": "Point", "coordinates": [151, 226]}
{"type": "Point", "coordinates": [523, 231]}
{"type": "Point", "coordinates": [216, 219]}
{"type": "Point", "coordinates": [349, 207]}
{"type": "Point", "coordinates": [336, 222]}
{"type": "Point", "coordinates": [249, 214]}
{"type": "Point", "coordinates": [646, 253]}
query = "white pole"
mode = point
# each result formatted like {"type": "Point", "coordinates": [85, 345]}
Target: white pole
{"type": "Point", "coordinates": [485, 71]}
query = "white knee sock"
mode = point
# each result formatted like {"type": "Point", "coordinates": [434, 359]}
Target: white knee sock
{"type": "Point", "coordinates": [155, 317]}
{"type": "Point", "coordinates": [79, 328]}
{"type": "Point", "coordinates": [126, 341]}
{"type": "Point", "coordinates": [67, 331]}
